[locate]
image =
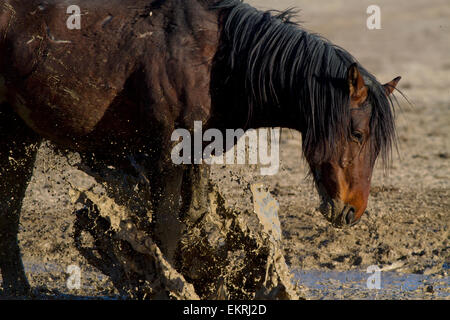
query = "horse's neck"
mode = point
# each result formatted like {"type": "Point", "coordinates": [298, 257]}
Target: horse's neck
{"type": "Point", "coordinates": [248, 87]}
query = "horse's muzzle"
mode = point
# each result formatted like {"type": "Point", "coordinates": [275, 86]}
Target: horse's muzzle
{"type": "Point", "coordinates": [338, 213]}
{"type": "Point", "coordinates": [349, 216]}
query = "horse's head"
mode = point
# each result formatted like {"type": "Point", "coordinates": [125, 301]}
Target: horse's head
{"type": "Point", "coordinates": [282, 75]}
{"type": "Point", "coordinates": [343, 180]}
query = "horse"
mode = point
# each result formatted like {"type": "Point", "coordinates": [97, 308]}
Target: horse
{"type": "Point", "coordinates": [116, 88]}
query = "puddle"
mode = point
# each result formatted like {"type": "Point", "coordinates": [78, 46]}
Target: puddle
{"type": "Point", "coordinates": [318, 284]}
{"type": "Point", "coordinates": [353, 285]}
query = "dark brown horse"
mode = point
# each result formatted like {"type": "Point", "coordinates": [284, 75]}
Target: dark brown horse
{"type": "Point", "coordinates": [138, 69]}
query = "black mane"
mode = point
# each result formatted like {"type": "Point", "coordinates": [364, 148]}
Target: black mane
{"type": "Point", "coordinates": [276, 64]}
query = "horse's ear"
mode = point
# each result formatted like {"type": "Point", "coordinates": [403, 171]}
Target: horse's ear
{"type": "Point", "coordinates": [358, 89]}
{"type": "Point", "coordinates": [390, 86]}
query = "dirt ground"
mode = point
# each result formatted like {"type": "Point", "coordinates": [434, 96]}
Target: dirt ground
{"type": "Point", "coordinates": [407, 228]}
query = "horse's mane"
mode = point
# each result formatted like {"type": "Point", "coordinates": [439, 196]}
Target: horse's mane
{"type": "Point", "coordinates": [280, 64]}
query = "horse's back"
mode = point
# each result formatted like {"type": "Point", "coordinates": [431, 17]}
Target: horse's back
{"type": "Point", "coordinates": [128, 60]}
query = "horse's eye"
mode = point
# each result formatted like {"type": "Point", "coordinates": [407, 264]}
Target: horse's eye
{"type": "Point", "coordinates": [358, 136]}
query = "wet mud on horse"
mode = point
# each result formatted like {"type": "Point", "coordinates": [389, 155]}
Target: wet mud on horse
{"type": "Point", "coordinates": [116, 89]}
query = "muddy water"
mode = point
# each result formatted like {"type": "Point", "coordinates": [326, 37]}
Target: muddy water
{"type": "Point", "coordinates": [314, 284]}
{"type": "Point", "coordinates": [354, 284]}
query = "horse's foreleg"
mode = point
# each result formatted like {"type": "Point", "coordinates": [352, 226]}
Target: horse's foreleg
{"type": "Point", "coordinates": [168, 227]}
{"type": "Point", "coordinates": [195, 193]}
{"type": "Point", "coordinates": [183, 200]}
{"type": "Point", "coordinates": [18, 148]}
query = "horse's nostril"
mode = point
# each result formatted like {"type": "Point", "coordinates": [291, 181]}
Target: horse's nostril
{"type": "Point", "coordinates": [350, 216]}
